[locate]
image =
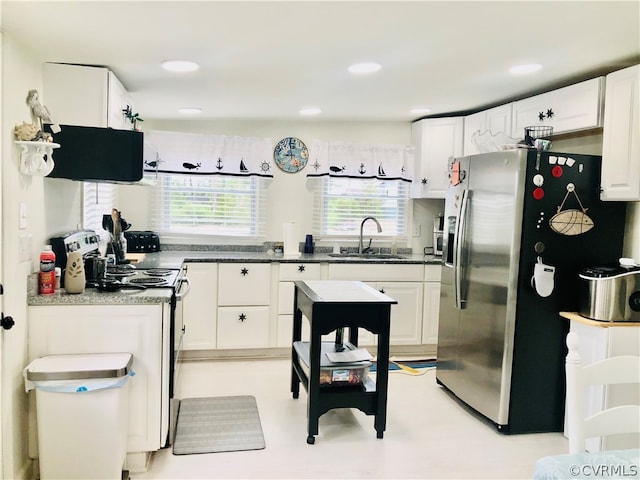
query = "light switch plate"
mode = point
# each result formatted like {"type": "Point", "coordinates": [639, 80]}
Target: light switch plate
{"type": "Point", "coordinates": [416, 229]}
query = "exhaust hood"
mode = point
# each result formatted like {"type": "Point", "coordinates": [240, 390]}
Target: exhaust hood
{"type": "Point", "coordinates": [98, 154]}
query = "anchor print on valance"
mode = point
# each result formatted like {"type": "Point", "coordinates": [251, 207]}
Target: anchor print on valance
{"type": "Point", "coordinates": [201, 154]}
{"type": "Point", "coordinates": [353, 160]}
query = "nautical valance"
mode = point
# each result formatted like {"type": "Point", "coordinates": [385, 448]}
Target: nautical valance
{"type": "Point", "coordinates": [353, 160]}
{"type": "Point", "coordinates": [200, 154]}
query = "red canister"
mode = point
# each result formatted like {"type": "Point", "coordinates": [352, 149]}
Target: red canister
{"type": "Point", "coordinates": [47, 274]}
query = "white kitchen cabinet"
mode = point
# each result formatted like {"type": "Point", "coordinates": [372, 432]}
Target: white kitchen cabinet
{"type": "Point", "coordinates": [85, 95]}
{"type": "Point", "coordinates": [431, 307]}
{"type": "Point", "coordinates": [598, 341]}
{"type": "Point", "coordinates": [244, 298]}
{"type": "Point", "coordinates": [402, 281]}
{"type": "Point", "coordinates": [493, 121]}
{"type": "Point", "coordinates": [200, 307]}
{"type": "Point", "coordinates": [142, 330]}
{"type": "Point", "coordinates": [289, 273]}
{"type": "Point", "coordinates": [621, 136]}
{"type": "Point", "coordinates": [436, 140]}
{"type": "Point", "coordinates": [569, 109]}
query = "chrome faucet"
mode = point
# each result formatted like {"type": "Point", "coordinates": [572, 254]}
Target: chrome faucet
{"type": "Point", "coordinates": [360, 248]}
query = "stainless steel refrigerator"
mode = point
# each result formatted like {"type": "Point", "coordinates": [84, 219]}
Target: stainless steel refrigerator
{"type": "Point", "coordinates": [519, 226]}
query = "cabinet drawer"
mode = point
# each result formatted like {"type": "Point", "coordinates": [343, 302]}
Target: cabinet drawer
{"type": "Point", "coordinates": [243, 327]}
{"type": "Point", "coordinates": [432, 273]}
{"type": "Point", "coordinates": [244, 283]}
{"type": "Point", "coordinates": [299, 271]}
{"type": "Point", "coordinates": [375, 273]}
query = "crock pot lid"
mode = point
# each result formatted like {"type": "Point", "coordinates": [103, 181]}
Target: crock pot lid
{"type": "Point", "coordinates": [607, 271]}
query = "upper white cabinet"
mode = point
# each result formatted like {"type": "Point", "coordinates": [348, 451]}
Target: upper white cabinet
{"type": "Point", "coordinates": [86, 96]}
{"type": "Point", "coordinates": [436, 140]}
{"type": "Point", "coordinates": [621, 137]}
{"type": "Point", "coordinates": [568, 109]}
{"type": "Point", "coordinates": [492, 121]}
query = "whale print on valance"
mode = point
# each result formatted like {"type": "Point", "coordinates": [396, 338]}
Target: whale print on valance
{"type": "Point", "coordinates": [201, 154]}
{"type": "Point", "coordinates": [353, 160]}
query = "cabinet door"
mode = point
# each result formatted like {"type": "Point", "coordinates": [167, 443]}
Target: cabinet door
{"type": "Point", "coordinates": [436, 140]}
{"type": "Point", "coordinates": [199, 307]}
{"type": "Point", "coordinates": [568, 109]}
{"type": "Point", "coordinates": [406, 315]}
{"type": "Point", "coordinates": [243, 327]}
{"type": "Point", "coordinates": [118, 100]}
{"type": "Point", "coordinates": [621, 137]}
{"type": "Point", "coordinates": [136, 329]}
{"type": "Point", "coordinates": [431, 313]}
{"type": "Point", "coordinates": [76, 95]}
{"type": "Point", "coordinates": [493, 121]}
{"type": "Point", "coordinates": [244, 284]}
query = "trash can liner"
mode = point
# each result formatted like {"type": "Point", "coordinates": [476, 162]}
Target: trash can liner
{"type": "Point", "coordinates": [75, 386]}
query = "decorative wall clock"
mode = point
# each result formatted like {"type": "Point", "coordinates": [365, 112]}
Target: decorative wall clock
{"type": "Point", "coordinates": [291, 154]}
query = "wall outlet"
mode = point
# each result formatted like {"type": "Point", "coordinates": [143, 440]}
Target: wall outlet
{"type": "Point", "coordinates": [417, 228]}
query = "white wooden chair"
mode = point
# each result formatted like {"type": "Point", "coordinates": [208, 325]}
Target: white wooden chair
{"type": "Point", "coordinates": [611, 421]}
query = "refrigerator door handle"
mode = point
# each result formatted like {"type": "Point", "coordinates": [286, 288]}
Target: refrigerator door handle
{"type": "Point", "coordinates": [458, 248]}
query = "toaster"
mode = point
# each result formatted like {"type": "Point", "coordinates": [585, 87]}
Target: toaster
{"type": "Point", "coordinates": [142, 241]}
{"type": "Point", "coordinates": [610, 293]}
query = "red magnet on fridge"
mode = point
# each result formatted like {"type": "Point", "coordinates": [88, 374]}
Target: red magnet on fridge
{"type": "Point", "coordinates": [538, 193]}
{"type": "Point", "coordinates": [557, 171]}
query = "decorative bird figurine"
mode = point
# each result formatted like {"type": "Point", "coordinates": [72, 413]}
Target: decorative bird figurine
{"type": "Point", "coordinates": [39, 113]}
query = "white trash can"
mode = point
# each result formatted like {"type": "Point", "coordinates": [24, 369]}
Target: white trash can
{"type": "Point", "coordinates": [82, 409]}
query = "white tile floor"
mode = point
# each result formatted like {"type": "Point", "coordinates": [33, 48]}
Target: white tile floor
{"type": "Point", "coordinates": [429, 434]}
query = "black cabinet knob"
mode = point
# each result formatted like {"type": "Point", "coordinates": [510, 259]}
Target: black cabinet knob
{"type": "Point", "coordinates": [7, 322]}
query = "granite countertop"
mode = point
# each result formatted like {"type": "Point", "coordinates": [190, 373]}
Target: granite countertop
{"type": "Point", "coordinates": [175, 258]}
{"type": "Point", "coordinates": [91, 296]}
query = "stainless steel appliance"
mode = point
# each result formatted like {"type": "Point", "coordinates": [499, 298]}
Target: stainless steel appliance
{"type": "Point", "coordinates": [610, 293]}
{"type": "Point", "coordinates": [519, 226]}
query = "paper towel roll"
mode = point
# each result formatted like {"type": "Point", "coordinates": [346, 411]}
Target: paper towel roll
{"type": "Point", "coordinates": [290, 240]}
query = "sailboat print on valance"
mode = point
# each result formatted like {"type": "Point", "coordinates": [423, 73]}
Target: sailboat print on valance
{"type": "Point", "coordinates": [201, 154]}
{"type": "Point", "coordinates": [353, 160]}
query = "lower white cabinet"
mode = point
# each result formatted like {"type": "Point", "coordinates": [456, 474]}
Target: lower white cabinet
{"type": "Point", "coordinates": [431, 309]}
{"type": "Point", "coordinates": [244, 297]}
{"type": "Point", "coordinates": [621, 136]}
{"type": "Point", "coordinates": [403, 283]}
{"type": "Point", "coordinates": [200, 307]}
{"type": "Point", "coordinates": [289, 273]}
{"type": "Point", "coordinates": [142, 330]}
{"type": "Point", "coordinates": [243, 327]}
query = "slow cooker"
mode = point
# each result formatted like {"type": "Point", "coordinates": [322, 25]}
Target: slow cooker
{"type": "Point", "coordinates": [610, 293]}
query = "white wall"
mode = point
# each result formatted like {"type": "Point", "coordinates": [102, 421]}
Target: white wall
{"type": "Point", "coordinates": [21, 72]}
{"type": "Point", "coordinates": [289, 197]}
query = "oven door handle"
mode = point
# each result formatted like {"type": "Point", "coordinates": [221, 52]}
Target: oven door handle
{"type": "Point", "coordinates": [183, 292]}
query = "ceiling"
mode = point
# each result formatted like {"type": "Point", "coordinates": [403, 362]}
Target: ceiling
{"type": "Point", "coordinates": [267, 59]}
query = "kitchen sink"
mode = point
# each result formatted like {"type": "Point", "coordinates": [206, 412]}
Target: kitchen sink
{"type": "Point", "coordinates": [381, 256]}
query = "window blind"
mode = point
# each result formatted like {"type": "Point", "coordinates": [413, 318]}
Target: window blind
{"type": "Point", "coordinates": [340, 205]}
{"type": "Point", "coordinates": [97, 199]}
{"type": "Point", "coordinates": [210, 205]}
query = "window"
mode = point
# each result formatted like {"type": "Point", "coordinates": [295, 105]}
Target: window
{"type": "Point", "coordinates": [342, 203]}
{"type": "Point", "coordinates": [97, 200]}
{"type": "Point", "coordinates": [210, 205]}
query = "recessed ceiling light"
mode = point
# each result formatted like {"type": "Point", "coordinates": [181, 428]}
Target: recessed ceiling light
{"type": "Point", "coordinates": [364, 68]}
{"type": "Point", "coordinates": [419, 110]}
{"type": "Point", "coordinates": [310, 111]}
{"type": "Point", "coordinates": [190, 110]}
{"type": "Point", "coordinates": [525, 69]}
{"type": "Point", "coordinates": [180, 66]}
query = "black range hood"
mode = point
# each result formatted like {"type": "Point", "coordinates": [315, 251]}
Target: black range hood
{"type": "Point", "coordinates": [97, 154]}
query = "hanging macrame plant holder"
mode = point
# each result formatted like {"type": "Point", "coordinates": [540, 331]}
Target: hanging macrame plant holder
{"type": "Point", "coordinates": [571, 221]}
